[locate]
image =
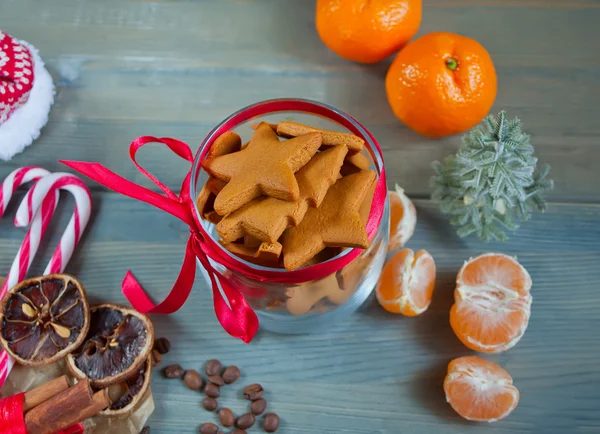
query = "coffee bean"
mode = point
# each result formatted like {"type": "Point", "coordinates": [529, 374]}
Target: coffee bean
{"type": "Point", "coordinates": [156, 358]}
{"type": "Point", "coordinates": [212, 390]}
{"type": "Point", "coordinates": [173, 371]}
{"type": "Point", "coordinates": [238, 431]}
{"type": "Point", "coordinates": [245, 421]}
{"type": "Point", "coordinates": [231, 374]}
{"type": "Point", "coordinates": [253, 392]}
{"type": "Point", "coordinates": [210, 404]}
{"type": "Point", "coordinates": [209, 428]}
{"type": "Point", "coordinates": [220, 432]}
{"type": "Point", "coordinates": [226, 417]}
{"type": "Point", "coordinates": [213, 367]}
{"type": "Point", "coordinates": [145, 430]}
{"type": "Point", "coordinates": [215, 379]}
{"type": "Point", "coordinates": [162, 345]}
{"type": "Point", "coordinates": [271, 422]}
{"type": "Point", "coordinates": [193, 380]}
{"type": "Point", "coordinates": [258, 407]}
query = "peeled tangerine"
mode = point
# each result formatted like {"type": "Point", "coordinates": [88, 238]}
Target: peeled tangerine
{"type": "Point", "coordinates": [479, 390]}
{"type": "Point", "coordinates": [403, 218]}
{"type": "Point", "coordinates": [406, 283]}
{"type": "Point", "coordinates": [492, 303]}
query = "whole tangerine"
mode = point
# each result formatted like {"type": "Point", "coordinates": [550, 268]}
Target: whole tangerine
{"type": "Point", "coordinates": [441, 84]}
{"type": "Point", "coordinates": [367, 31]}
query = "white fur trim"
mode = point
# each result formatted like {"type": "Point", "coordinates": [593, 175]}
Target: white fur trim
{"type": "Point", "coordinates": [24, 125]}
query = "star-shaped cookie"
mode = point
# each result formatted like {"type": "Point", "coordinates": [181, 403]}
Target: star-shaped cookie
{"type": "Point", "coordinates": [336, 223]}
{"type": "Point", "coordinates": [266, 218]}
{"type": "Point", "coordinates": [265, 167]}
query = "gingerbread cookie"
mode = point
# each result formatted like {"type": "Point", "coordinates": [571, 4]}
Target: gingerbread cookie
{"type": "Point", "coordinates": [354, 163]}
{"type": "Point", "coordinates": [266, 218]}
{"type": "Point", "coordinates": [266, 254]}
{"type": "Point", "coordinates": [330, 138]}
{"type": "Point", "coordinates": [336, 223]}
{"type": "Point", "coordinates": [226, 143]}
{"type": "Point", "coordinates": [304, 298]}
{"type": "Point", "coordinates": [266, 166]}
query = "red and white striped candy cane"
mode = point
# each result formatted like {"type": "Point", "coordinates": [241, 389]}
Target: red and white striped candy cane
{"type": "Point", "coordinates": [31, 242]}
{"type": "Point", "coordinates": [83, 208]}
{"type": "Point", "coordinates": [30, 207]}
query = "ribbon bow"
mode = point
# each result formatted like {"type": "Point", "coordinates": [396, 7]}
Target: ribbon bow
{"type": "Point", "coordinates": [234, 314]}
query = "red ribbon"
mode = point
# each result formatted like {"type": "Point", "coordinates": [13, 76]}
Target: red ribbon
{"type": "Point", "coordinates": [11, 415]}
{"type": "Point", "coordinates": [231, 308]}
{"type": "Point", "coordinates": [12, 419]}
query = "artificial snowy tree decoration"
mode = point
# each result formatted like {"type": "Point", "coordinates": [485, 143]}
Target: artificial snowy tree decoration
{"type": "Point", "coordinates": [493, 180]}
{"type": "Point", "coordinates": [26, 95]}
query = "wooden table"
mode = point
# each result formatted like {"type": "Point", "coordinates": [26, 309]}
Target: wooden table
{"type": "Point", "coordinates": [176, 68]}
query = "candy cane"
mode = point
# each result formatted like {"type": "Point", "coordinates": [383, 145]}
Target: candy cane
{"type": "Point", "coordinates": [83, 208]}
{"type": "Point", "coordinates": [31, 242]}
{"type": "Point", "coordinates": [28, 211]}
{"type": "Point", "coordinates": [39, 222]}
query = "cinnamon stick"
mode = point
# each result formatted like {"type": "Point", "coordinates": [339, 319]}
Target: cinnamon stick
{"type": "Point", "coordinates": [41, 394]}
{"type": "Point", "coordinates": [65, 409]}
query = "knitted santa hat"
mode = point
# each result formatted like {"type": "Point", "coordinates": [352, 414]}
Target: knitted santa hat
{"type": "Point", "coordinates": [26, 94]}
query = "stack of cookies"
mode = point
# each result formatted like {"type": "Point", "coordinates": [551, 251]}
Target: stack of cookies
{"type": "Point", "coordinates": [292, 196]}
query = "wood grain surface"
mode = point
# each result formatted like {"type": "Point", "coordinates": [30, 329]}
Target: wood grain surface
{"type": "Point", "coordinates": [176, 68]}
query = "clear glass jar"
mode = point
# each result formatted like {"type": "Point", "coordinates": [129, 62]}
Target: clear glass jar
{"type": "Point", "coordinates": [312, 305]}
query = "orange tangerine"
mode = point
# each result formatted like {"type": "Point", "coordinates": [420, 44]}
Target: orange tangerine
{"type": "Point", "coordinates": [406, 283]}
{"type": "Point", "coordinates": [480, 390]}
{"type": "Point", "coordinates": [403, 218]}
{"type": "Point", "coordinates": [492, 303]}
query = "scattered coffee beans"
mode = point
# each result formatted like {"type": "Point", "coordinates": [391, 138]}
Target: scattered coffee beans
{"type": "Point", "coordinates": [173, 371]}
{"type": "Point", "coordinates": [253, 392]}
{"type": "Point", "coordinates": [162, 345]}
{"type": "Point", "coordinates": [145, 430]}
{"type": "Point", "coordinates": [209, 428]}
{"type": "Point", "coordinates": [231, 374]}
{"type": "Point", "coordinates": [213, 367]}
{"type": "Point", "coordinates": [212, 390]}
{"type": "Point", "coordinates": [226, 417]}
{"type": "Point", "coordinates": [156, 358]}
{"type": "Point", "coordinates": [258, 407]}
{"type": "Point", "coordinates": [210, 404]}
{"type": "Point", "coordinates": [193, 380]}
{"type": "Point", "coordinates": [271, 422]}
{"type": "Point", "coordinates": [215, 379]}
{"type": "Point", "coordinates": [245, 421]}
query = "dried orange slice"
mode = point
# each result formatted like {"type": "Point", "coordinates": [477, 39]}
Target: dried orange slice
{"type": "Point", "coordinates": [44, 318]}
{"type": "Point", "coordinates": [406, 283]}
{"type": "Point", "coordinates": [127, 395]}
{"type": "Point", "coordinates": [492, 303]}
{"type": "Point", "coordinates": [403, 218]}
{"type": "Point", "coordinates": [118, 343]}
{"type": "Point", "coordinates": [480, 390]}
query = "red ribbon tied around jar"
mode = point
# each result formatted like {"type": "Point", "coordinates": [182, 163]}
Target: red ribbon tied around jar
{"type": "Point", "coordinates": [231, 308]}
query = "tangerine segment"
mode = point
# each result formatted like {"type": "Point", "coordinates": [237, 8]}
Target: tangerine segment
{"type": "Point", "coordinates": [492, 303]}
{"type": "Point", "coordinates": [480, 390]}
{"type": "Point", "coordinates": [407, 282]}
{"type": "Point", "coordinates": [403, 218]}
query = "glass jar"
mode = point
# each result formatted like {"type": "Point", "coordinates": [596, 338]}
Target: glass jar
{"type": "Point", "coordinates": [312, 305]}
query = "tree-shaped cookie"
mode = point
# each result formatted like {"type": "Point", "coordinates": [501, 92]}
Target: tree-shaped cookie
{"type": "Point", "coordinates": [265, 167]}
{"type": "Point", "coordinates": [336, 223]}
{"type": "Point", "coordinates": [266, 218]}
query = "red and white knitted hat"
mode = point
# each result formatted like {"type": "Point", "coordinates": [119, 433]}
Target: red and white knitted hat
{"type": "Point", "coordinates": [26, 95]}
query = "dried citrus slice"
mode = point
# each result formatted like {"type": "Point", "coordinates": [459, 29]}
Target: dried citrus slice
{"type": "Point", "coordinates": [403, 218]}
{"type": "Point", "coordinates": [42, 319]}
{"type": "Point", "coordinates": [118, 343]}
{"type": "Point", "coordinates": [126, 396]}
{"type": "Point", "coordinates": [406, 283]}
{"type": "Point", "coordinates": [480, 390]}
{"type": "Point", "coordinates": [492, 303]}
